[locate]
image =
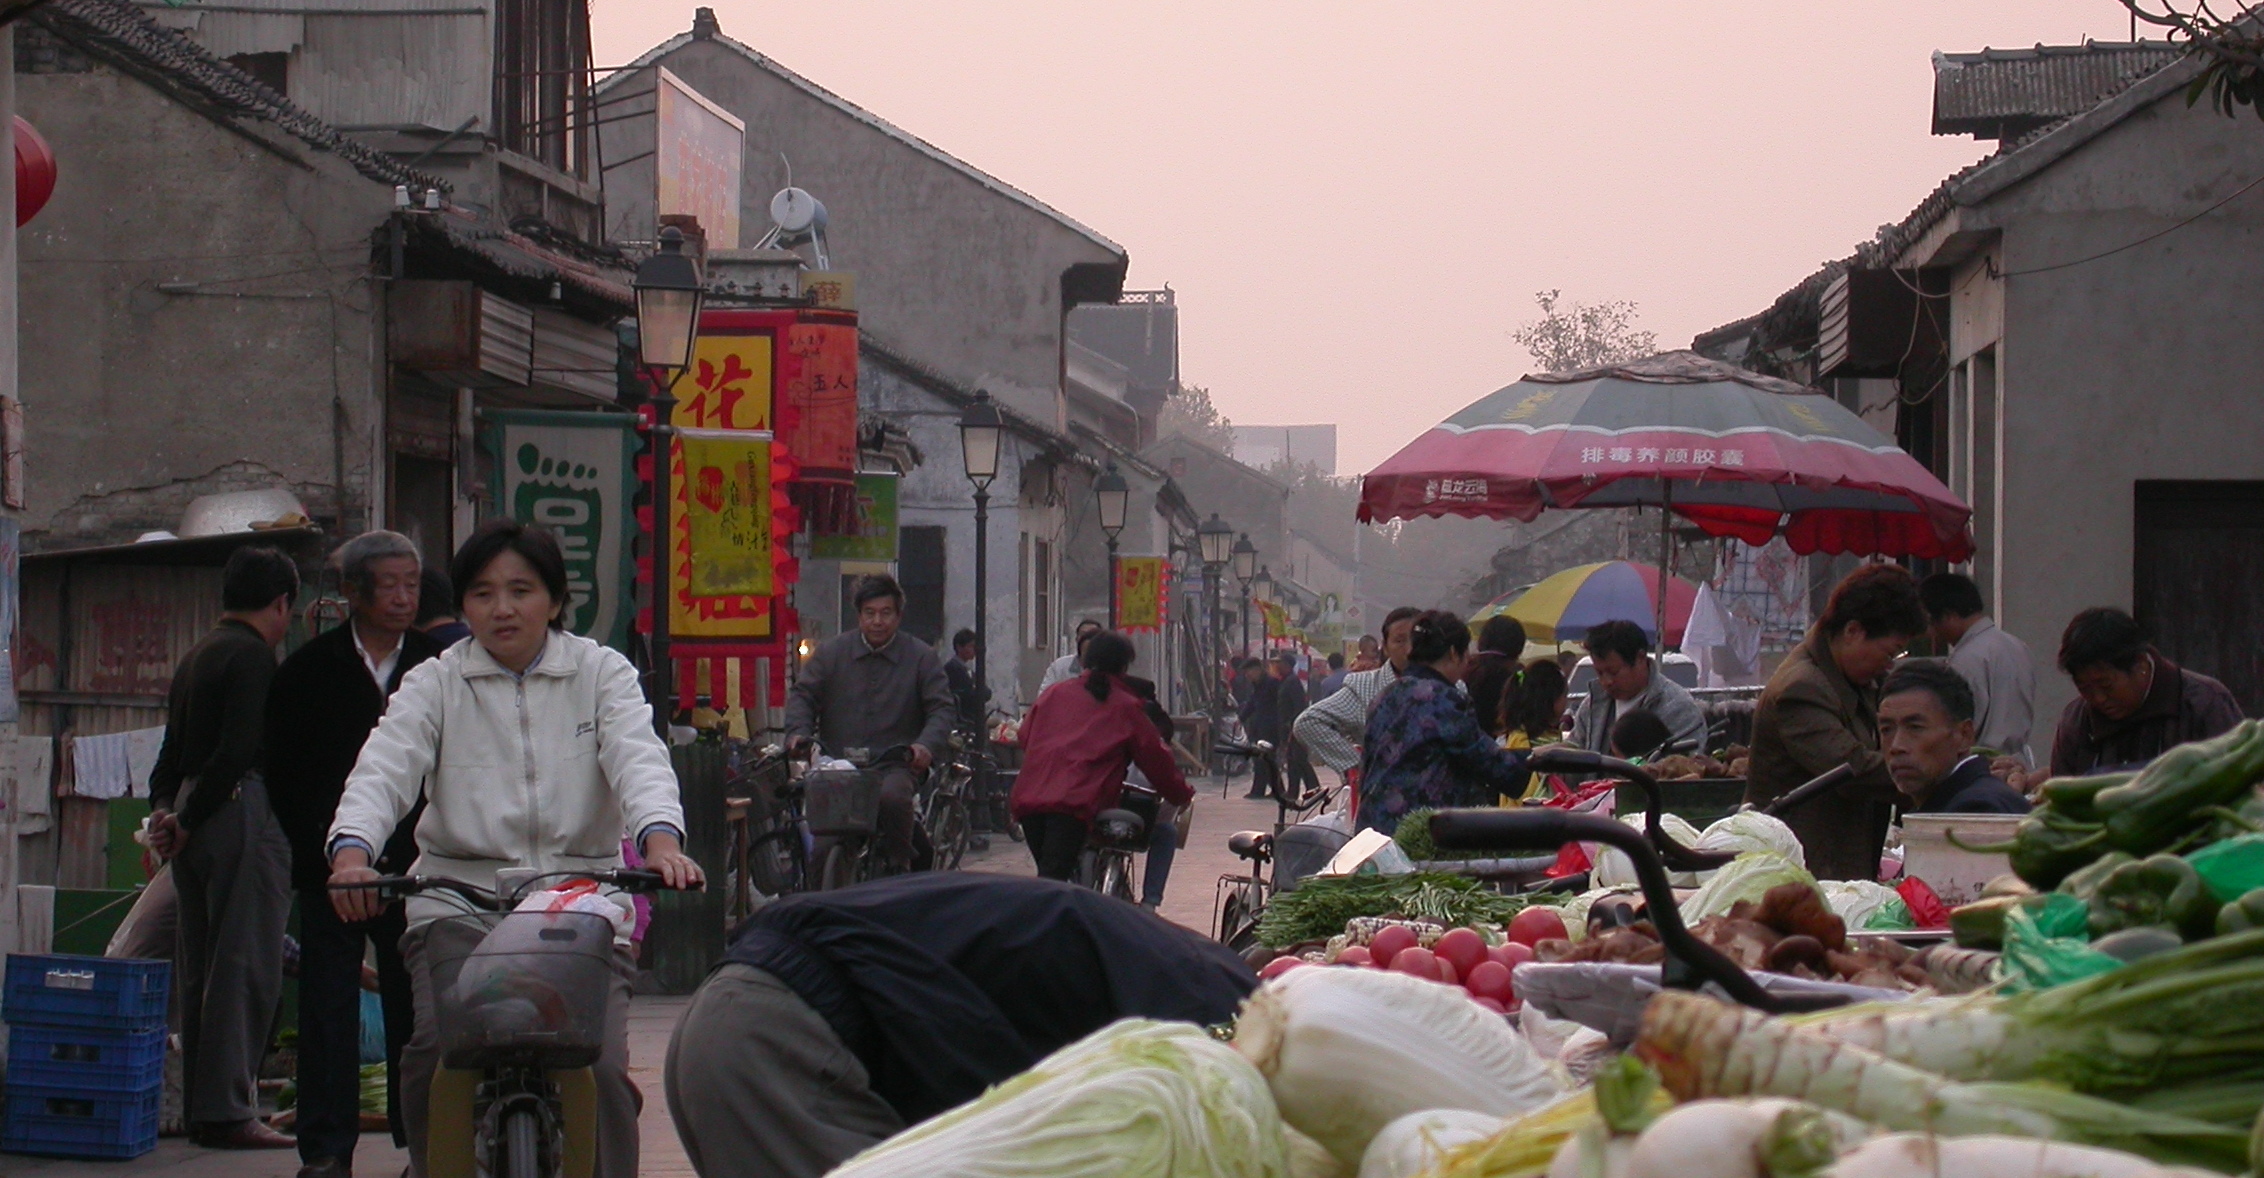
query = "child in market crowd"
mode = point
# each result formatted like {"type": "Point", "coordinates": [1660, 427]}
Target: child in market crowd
{"type": "Point", "coordinates": [1639, 735]}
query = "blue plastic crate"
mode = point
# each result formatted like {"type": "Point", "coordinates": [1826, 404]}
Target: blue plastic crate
{"type": "Point", "coordinates": [74, 1123]}
{"type": "Point", "coordinates": [84, 1057]}
{"type": "Point", "coordinates": [109, 993]}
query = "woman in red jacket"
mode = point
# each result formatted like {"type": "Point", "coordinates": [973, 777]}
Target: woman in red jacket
{"type": "Point", "coordinates": [1076, 743]}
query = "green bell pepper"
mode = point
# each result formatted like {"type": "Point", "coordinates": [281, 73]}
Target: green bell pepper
{"type": "Point", "coordinates": [2083, 880]}
{"type": "Point", "coordinates": [2173, 795]}
{"type": "Point", "coordinates": [2242, 915]}
{"type": "Point", "coordinates": [2162, 891]}
{"type": "Point", "coordinates": [2076, 797]}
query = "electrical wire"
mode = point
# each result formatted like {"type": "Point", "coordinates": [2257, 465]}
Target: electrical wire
{"type": "Point", "coordinates": [2159, 233]}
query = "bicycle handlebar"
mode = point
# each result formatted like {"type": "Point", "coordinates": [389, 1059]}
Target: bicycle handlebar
{"type": "Point", "coordinates": [390, 887]}
{"type": "Point", "coordinates": [1560, 759]}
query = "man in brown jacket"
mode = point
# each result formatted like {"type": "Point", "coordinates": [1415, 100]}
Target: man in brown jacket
{"type": "Point", "coordinates": [1820, 711]}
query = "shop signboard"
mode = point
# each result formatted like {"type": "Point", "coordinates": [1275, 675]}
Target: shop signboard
{"type": "Point", "coordinates": [1140, 592]}
{"type": "Point", "coordinates": [875, 536]}
{"type": "Point", "coordinates": [697, 155]}
{"type": "Point", "coordinates": [723, 572]}
{"type": "Point", "coordinates": [574, 473]}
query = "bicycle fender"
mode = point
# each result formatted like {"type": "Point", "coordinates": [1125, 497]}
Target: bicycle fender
{"type": "Point", "coordinates": [448, 1123]}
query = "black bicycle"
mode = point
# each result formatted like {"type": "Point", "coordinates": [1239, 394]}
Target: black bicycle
{"type": "Point", "coordinates": [945, 809]}
{"type": "Point", "coordinates": [776, 856]}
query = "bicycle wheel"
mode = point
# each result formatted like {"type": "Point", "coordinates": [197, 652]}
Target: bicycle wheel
{"type": "Point", "coordinates": [950, 835]}
{"type": "Point", "coordinates": [774, 860]}
{"type": "Point", "coordinates": [1247, 905]}
{"type": "Point", "coordinates": [522, 1157]}
{"type": "Point", "coordinates": [1116, 876]}
{"type": "Point", "coordinates": [842, 866]}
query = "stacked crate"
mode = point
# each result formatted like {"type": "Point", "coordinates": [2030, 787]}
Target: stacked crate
{"type": "Point", "coordinates": [86, 1055]}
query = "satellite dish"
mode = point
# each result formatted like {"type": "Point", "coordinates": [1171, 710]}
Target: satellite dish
{"type": "Point", "coordinates": [796, 212]}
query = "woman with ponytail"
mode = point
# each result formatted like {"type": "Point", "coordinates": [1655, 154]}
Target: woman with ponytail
{"type": "Point", "coordinates": [1425, 749]}
{"type": "Point", "coordinates": [1077, 742]}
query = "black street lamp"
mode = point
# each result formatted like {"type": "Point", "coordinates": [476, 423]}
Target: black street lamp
{"type": "Point", "coordinates": [1263, 586]}
{"type": "Point", "coordinates": [980, 428]}
{"type": "Point", "coordinates": [1114, 497]}
{"type": "Point", "coordinates": [669, 293]}
{"type": "Point", "coordinates": [1214, 542]}
{"type": "Point", "coordinates": [1245, 565]}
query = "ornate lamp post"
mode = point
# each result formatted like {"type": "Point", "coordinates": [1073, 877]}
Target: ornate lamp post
{"type": "Point", "coordinates": [669, 293]}
{"type": "Point", "coordinates": [1114, 499]}
{"type": "Point", "coordinates": [980, 428]}
{"type": "Point", "coordinates": [1214, 542]}
{"type": "Point", "coordinates": [1263, 586]}
{"type": "Point", "coordinates": [1245, 564]}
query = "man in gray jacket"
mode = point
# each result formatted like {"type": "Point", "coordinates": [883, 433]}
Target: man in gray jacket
{"type": "Point", "coordinates": [871, 690]}
{"type": "Point", "coordinates": [1628, 679]}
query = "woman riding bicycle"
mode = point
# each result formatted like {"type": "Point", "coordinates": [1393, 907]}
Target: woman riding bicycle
{"type": "Point", "coordinates": [535, 750]}
{"type": "Point", "coordinates": [1076, 743]}
{"type": "Point", "coordinates": [1424, 748]}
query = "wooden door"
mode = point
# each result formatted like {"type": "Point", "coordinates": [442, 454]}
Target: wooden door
{"type": "Point", "coordinates": [2199, 579]}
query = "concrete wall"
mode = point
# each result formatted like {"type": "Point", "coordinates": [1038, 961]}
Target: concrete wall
{"type": "Point", "coordinates": [951, 271]}
{"type": "Point", "coordinates": [2141, 365]}
{"type": "Point", "coordinates": [137, 400]}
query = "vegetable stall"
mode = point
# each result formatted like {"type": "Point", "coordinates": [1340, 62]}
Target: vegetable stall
{"type": "Point", "coordinates": [2099, 1014]}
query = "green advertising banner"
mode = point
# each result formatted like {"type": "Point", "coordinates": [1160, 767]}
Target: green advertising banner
{"type": "Point", "coordinates": [574, 473]}
{"type": "Point", "coordinates": [875, 537]}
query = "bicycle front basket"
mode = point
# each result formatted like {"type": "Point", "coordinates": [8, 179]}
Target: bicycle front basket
{"type": "Point", "coordinates": [839, 802]}
{"type": "Point", "coordinates": [533, 993]}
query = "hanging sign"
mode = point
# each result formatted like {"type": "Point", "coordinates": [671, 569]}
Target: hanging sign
{"type": "Point", "coordinates": [722, 576]}
{"type": "Point", "coordinates": [1140, 592]}
{"type": "Point", "coordinates": [574, 474]}
{"type": "Point", "coordinates": [875, 535]}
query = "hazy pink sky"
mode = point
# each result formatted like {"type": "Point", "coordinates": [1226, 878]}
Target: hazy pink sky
{"type": "Point", "coordinates": [1356, 202]}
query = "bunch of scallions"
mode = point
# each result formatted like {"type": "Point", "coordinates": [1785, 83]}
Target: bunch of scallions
{"type": "Point", "coordinates": [2179, 1032]}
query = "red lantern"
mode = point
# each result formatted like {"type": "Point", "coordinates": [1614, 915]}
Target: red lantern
{"type": "Point", "coordinates": [35, 172]}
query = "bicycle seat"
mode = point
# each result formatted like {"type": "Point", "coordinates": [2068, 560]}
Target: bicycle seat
{"type": "Point", "coordinates": [1251, 844]}
{"type": "Point", "coordinates": [1119, 828]}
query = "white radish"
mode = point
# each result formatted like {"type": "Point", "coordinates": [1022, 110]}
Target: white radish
{"type": "Point", "coordinates": [1418, 1142]}
{"type": "Point", "coordinates": [1738, 1139]}
{"type": "Point", "coordinates": [1907, 1154]}
{"type": "Point", "coordinates": [1593, 1152]}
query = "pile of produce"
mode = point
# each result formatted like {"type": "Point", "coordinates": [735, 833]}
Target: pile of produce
{"type": "Point", "coordinates": [2118, 867]}
{"type": "Point", "coordinates": [1457, 957]}
{"type": "Point", "coordinates": [1321, 906]}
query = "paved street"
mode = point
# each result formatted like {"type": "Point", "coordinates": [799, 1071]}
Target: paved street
{"type": "Point", "coordinates": [1187, 901]}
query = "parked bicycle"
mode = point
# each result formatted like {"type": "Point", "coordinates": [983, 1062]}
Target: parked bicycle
{"type": "Point", "coordinates": [775, 857]}
{"type": "Point", "coordinates": [521, 1022]}
{"type": "Point", "coordinates": [945, 809]}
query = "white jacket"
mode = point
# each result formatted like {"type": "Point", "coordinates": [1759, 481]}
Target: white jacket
{"type": "Point", "coordinates": [545, 771]}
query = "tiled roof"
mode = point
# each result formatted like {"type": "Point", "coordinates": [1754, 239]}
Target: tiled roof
{"type": "Point", "coordinates": [2004, 93]}
{"type": "Point", "coordinates": [119, 34]}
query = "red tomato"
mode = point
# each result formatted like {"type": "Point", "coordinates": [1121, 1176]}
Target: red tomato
{"type": "Point", "coordinates": [1417, 961]}
{"type": "Point", "coordinates": [1279, 966]}
{"type": "Point", "coordinates": [1388, 943]}
{"type": "Point", "coordinates": [1462, 946]}
{"type": "Point", "coordinates": [1490, 1004]}
{"type": "Point", "coordinates": [1354, 955]}
{"type": "Point", "coordinates": [1447, 972]}
{"type": "Point", "coordinates": [1536, 924]}
{"type": "Point", "coordinates": [1511, 954]}
{"type": "Point", "coordinates": [1491, 980]}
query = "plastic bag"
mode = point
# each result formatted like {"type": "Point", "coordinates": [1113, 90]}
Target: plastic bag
{"type": "Point", "coordinates": [1751, 830]}
{"type": "Point", "coordinates": [1926, 908]}
{"type": "Point", "coordinates": [1866, 906]}
{"type": "Point", "coordinates": [2045, 945]}
{"type": "Point", "coordinates": [2231, 868]}
{"type": "Point", "coordinates": [1614, 869]}
{"type": "Point", "coordinates": [582, 896]}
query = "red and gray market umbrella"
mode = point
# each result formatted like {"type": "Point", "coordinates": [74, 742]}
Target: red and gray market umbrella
{"type": "Point", "coordinates": [1736, 453]}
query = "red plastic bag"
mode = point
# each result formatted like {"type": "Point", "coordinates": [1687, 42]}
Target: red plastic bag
{"type": "Point", "coordinates": [1926, 908]}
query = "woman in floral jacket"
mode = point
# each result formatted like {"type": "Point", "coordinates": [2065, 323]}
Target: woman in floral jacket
{"type": "Point", "coordinates": [1424, 748]}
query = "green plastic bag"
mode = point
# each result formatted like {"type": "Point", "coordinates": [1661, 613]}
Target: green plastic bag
{"type": "Point", "coordinates": [2045, 945]}
{"type": "Point", "coordinates": [2232, 868]}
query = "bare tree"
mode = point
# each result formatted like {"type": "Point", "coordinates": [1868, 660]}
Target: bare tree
{"type": "Point", "coordinates": [1190, 414]}
{"type": "Point", "coordinates": [1573, 336]}
{"type": "Point", "coordinates": [2234, 45]}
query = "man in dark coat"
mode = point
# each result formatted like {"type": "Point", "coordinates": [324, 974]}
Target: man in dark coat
{"type": "Point", "coordinates": [2132, 705]}
{"type": "Point", "coordinates": [1260, 710]}
{"type": "Point", "coordinates": [1926, 732]}
{"type": "Point", "coordinates": [326, 699]}
{"type": "Point", "coordinates": [1297, 776]}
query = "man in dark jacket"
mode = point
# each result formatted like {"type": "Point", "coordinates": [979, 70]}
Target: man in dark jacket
{"type": "Point", "coordinates": [1261, 720]}
{"type": "Point", "coordinates": [838, 1018]}
{"type": "Point", "coordinates": [1297, 776]}
{"type": "Point", "coordinates": [1926, 732]}
{"type": "Point", "coordinates": [326, 699]}
{"type": "Point", "coordinates": [871, 690]}
{"type": "Point", "coordinates": [2131, 704]}
{"type": "Point", "coordinates": [209, 814]}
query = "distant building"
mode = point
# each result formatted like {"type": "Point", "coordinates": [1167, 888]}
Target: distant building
{"type": "Point", "coordinates": [1135, 342]}
{"type": "Point", "coordinates": [1263, 446]}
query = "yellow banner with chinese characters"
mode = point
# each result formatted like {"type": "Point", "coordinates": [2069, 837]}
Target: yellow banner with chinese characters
{"type": "Point", "coordinates": [1139, 592]}
{"type": "Point", "coordinates": [722, 571]}
{"type": "Point", "coordinates": [1277, 621]}
{"type": "Point", "coordinates": [728, 385]}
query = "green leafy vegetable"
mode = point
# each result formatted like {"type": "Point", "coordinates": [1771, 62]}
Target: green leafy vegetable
{"type": "Point", "coordinates": [1321, 905]}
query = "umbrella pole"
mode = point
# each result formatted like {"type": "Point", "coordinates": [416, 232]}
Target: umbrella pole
{"type": "Point", "coordinates": [1666, 553]}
